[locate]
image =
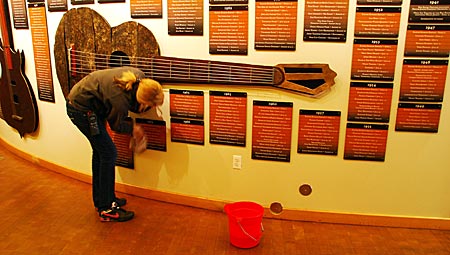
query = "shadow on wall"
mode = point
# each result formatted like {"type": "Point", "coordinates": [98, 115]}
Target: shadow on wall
{"type": "Point", "coordinates": [148, 165]}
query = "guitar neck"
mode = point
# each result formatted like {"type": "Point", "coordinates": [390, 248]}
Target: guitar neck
{"type": "Point", "coordinates": [307, 79]}
{"type": "Point", "coordinates": [5, 27]}
{"type": "Point", "coordinates": [169, 69]}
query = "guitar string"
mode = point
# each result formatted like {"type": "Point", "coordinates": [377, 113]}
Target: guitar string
{"type": "Point", "coordinates": [181, 76]}
{"type": "Point", "coordinates": [178, 60]}
{"type": "Point", "coordinates": [178, 72]}
{"type": "Point", "coordinates": [222, 72]}
{"type": "Point", "coordinates": [191, 78]}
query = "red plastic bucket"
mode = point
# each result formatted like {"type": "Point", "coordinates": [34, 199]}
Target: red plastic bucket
{"type": "Point", "coordinates": [245, 223]}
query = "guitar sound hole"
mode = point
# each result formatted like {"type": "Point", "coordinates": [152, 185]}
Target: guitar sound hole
{"type": "Point", "coordinates": [118, 59]}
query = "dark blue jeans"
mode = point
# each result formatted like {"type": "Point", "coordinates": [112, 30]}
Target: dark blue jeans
{"type": "Point", "coordinates": [104, 154]}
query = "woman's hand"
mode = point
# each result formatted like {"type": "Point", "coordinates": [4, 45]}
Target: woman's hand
{"type": "Point", "coordinates": [138, 132]}
{"type": "Point", "coordinates": [138, 142]}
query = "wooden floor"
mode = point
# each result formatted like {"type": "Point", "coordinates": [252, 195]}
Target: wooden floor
{"type": "Point", "coordinates": [43, 212]}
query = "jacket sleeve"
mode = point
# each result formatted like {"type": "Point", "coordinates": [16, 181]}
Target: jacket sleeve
{"type": "Point", "coordinates": [118, 118]}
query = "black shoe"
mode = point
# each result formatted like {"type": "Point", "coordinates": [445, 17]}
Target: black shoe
{"type": "Point", "coordinates": [115, 213]}
{"type": "Point", "coordinates": [120, 201]}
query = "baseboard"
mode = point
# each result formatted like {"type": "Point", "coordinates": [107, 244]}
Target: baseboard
{"type": "Point", "coordinates": [286, 214]}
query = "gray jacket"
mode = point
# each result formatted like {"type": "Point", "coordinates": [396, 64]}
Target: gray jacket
{"type": "Point", "coordinates": [97, 92]}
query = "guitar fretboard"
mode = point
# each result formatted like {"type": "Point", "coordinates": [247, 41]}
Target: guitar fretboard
{"type": "Point", "coordinates": [169, 69]}
{"type": "Point", "coordinates": [202, 71]}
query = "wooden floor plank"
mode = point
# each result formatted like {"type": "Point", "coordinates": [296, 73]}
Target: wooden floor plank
{"type": "Point", "coordinates": [47, 213]}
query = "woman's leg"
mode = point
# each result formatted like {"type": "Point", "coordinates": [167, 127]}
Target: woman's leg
{"type": "Point", "coordinates": [104, 162]}
{"type": "Point", "coordinates": [95, 178]}
{"type": "Point", "coordinates": [104, 154]}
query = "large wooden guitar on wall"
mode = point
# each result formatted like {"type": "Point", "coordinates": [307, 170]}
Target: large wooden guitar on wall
{"type": "Point", "coordinates": [85, 42]}
{"type": "Point", "coordinates": [18, 103]}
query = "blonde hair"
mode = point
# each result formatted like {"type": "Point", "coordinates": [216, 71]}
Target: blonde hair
{"type": "Point", "coordinates": [126, 81]}
{"type": "Point", "coordinates": [149, 91]}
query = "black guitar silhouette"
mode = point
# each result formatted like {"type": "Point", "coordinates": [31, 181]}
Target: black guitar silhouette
{"type": "Point", "coordinates": [18, 103]}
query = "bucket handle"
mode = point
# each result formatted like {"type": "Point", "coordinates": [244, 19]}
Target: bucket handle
{"type": "Point", "coordinates": [246, 233]}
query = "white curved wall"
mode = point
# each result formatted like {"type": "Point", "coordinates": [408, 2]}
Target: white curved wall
{"type": "Point", "coordinates": [413, 180]}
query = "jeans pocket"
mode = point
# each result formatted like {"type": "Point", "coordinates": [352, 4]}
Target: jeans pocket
{"type": "Point", "coordinates": [79, 119]}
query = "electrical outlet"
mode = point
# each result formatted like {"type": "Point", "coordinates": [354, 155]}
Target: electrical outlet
{"type": "Point", "coordinates": [237, 162]}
